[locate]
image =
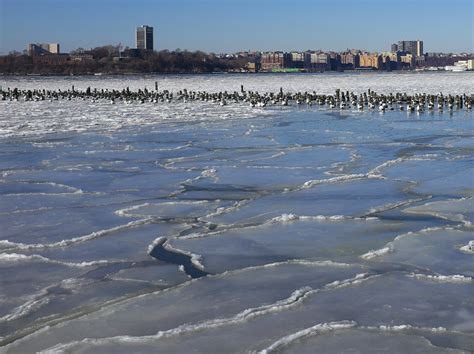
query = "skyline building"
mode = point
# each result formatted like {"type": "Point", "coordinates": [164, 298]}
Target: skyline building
{"type": "Point", "coordinates": [43, 48]}
{"type": "Point", "coordinates": [413, 47]}
{"type": "Point", "coordinates": [53, 48]}
{"type": "Point", "coordinates": [419, 48]}
{"type": "Point", "coordinates": [144, 37]}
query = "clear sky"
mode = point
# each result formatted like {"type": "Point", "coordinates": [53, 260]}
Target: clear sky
{"type": "Point", "coordinates": [233, 25]}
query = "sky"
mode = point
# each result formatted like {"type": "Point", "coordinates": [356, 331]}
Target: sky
{"type": "Point", "coordinates": [234, 25]}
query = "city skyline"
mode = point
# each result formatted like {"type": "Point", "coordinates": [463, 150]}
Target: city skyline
{"type": "Point", "coordinates": [232, 26]}
{"type": "Point", "coordinates": [144, 38]}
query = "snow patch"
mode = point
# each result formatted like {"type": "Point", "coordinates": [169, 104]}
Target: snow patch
{"type": "Point", "coordinates": [376, 253]}
{"type": "Point", "coordinates": [469, 248]}
{"type": "Point", "coordinates": [125, 212]}
{"type": "Point", "coordinates": [405, 327]}
{"type": "Point", "coordinates": [7, 258]}
{"type": "Point", "coordinates": [315, 182]}
{"type": "Point", "coordinates": [25, 309]}
{"type": "Point", "coordinates": [359, 278]}
{"type": "Point", "coordinates": [285, 218]}
{"type": "Point", "coordinates": [457, 278]}
{"type": "Point", "coordinates": [292, 217]}
{"type": "Point", "coordinates": [210, 173]}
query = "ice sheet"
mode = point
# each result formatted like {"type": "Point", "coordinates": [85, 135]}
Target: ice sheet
{"type": "Point", "coordinates": [311, 218]}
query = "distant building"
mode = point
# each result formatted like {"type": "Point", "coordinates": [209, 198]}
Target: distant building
{"type": "Point", "coordinates": [435, 55]}
{"type": "Point", "coordinates": [440, 59]}
{"type": "Point", "coordinates": [420, 60]}
{"type": "Point", "coordinates": [464, 64]}
{"type": "Point", "coordinates": [274, 60]}
{"type": "Point", "coordinates": [53, 48]}
{"type": "Point", "coordinates": [297, 56]}
{"type": "Point", "coordinates": [408, 59]}
{"type": "Point", "coordinates": [419, 48]}
{"type": "Point", "coordinates": [319, 61]}
{"type": "Point", "coordinates": [35, 49]}
{"type": "Point", "coordinates": [371, 61]}
{"type": "Point", "coordinates": [470, 66]}
{"type": "Point", "coordinates": [144, 37]}
{"type": "Point", "coordinates": [460, 65]}
{"type": "Point", "coordinates": [319, 58]}
{"type": "Point", "coordinates": [298, 60]}
{"type": "Point", "coordinates": [350, 60]}
{"type": "Point", "coordinates": [252, 56]}
{"type": "Point", "coordinates": [81, 57]}
{"type": "Point", "coordinates": [42, 48]}
{"type": "Point", "coordinates": [252, 67]}
{"type": "Point", "coordinates": [407, 46]}
{"type": "Point", "coordinates": [394, 48]}
{"type": "Point", "coordinates": [391, 60]}
{"type": "Point", "coordinates": [413, 47]}
{"type": "Point", "coordinates": [52, 59]}
{"type": "Point", "coordinates": [335, 61]}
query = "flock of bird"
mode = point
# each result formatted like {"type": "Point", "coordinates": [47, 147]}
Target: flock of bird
{"type": "Point", "coordinates": [339, 100]}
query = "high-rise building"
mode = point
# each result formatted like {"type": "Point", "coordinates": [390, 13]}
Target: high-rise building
{"type": "Point", "coordinates": [394, 48]}
{"type": "Point", "coordinates": [413, 47]}
{"type": "Point", "coordinates": [144, 37]}
{"type": "Point", "coordinates": [43, 48]}
{"type": "Point", "coordinates": [419, 48]}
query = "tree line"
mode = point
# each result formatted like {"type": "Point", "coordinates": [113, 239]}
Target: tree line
{"type": "Point", "coordinates": [108, 59]}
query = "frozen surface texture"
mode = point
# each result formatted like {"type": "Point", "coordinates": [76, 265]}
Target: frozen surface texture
{"type": "Point", "coordinates": [173, 227]}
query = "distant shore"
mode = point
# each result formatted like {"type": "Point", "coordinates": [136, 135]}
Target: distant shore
{"type": "Point", "coordinates": [121, 74]}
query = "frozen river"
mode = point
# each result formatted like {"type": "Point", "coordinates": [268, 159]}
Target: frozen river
{"type": "Point", "coordinates": [178, 227]}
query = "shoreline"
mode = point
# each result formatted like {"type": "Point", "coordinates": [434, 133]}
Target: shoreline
{"type": "Point", "coordinates": [335, 73]}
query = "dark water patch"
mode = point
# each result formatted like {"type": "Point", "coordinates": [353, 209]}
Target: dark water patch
{"type": "Point", "coordinates": [284, 124]}
{"type": "Point", "coordinates": [161, 253]}
{"type": "Point", "coordinates": [424, 139]}
{"type": "Point", "coordinates": [200, 227]}
{"type": "Point", "coordinates": [430, 220]}
{"type": "Point", "coordinates": [410, 151]}
{"type": "Point", "coordinates": [337, 115]}
{"type": "Point", "coordinates": [221, 188]}
{"type": "Point", "coordinates": [193, 193]}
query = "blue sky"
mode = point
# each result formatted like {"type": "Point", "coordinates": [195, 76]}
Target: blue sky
{"type": "Point", "coordinates": [231, 25]}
